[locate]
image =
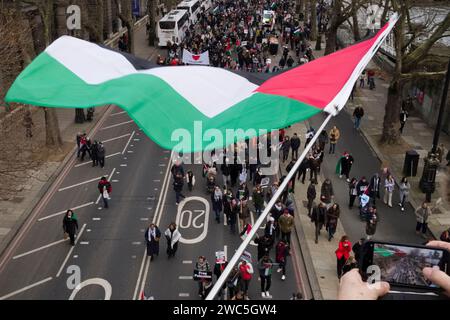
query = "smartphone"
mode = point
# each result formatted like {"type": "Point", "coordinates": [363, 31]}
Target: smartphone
{"type": "Point", "coordinates": [401, 265]}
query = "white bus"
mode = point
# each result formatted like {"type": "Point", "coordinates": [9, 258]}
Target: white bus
{"type": "Point", "coordinates": [172, 27]}
{"type": "Point", "coordinates": [193, 8]}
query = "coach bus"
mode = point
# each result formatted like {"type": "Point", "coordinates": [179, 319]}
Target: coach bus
{"type": "Point", "coordinates": [172, 27]}
{"type": "Point", "coordinates": [192, 7]}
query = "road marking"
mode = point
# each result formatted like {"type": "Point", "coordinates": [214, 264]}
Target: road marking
{"type": "Point", "coordinates": [156, 218]}
{"type": "Point", "coordinates": [140, 275]}
{"type": "Point", "coordinates": [70, 251]}
{"type": "Point", "coordinates": [116, 114]}
{"type": "Point", "coordinates": [192, 221]}
{"type": "Point", "coordinates": [131, 145]}
{"type": "Point", "coordinates": [40, 248]}
{"type": "Point", "coordinates": [96, 219]}
{"type": "Point", "coordinates": [126, 146]}
{"type": "Point", "coordinates": [75, 256]}
{"type": "Point", "coordinates": [117, 138]}
{"type": "Point", "coordinates": [162, 165]}
{"type": "Point", "coordinates": [225, 249]}
{"type": "Point", "coordinates": [225, 223]}
{"type": "Point", "coordinates": [88, 230]}
{"type": "Point", "coordinates": [144, 219]}
{"type": "Point", "coordinates": [64, 211]}
{"type": "Point", "coordinates": [117, 125]}
{"type": "Point", "coordinates": [114, 180]}
{"type": "Point", "coordinates": [125, 158]}
{"type": "Point", "coordinates": [9, 295]}
{"type": "Point", "coordinates": [149, 208]}
{"type": "Point", "coordinates": [136, 139]}
{"type": "Point", "coordinates": [185, 278]}
{"type": "Point", "coordinates": [156, 180]}
{"type": "Point", "coordinates": [108, 156]}
{"type": "Point", "coordinates": [84, 242]}
{"type": "Point", "coordinates": [124, 165]}
{"type": "Point", "coordinates": [79, 184]}
{"type": "Point", "coordinates": [183, 294]}
{"type": "Point", "coordinates": [137, 243]}
{"type": "Point", "coordinates": [130, 151]}
{"type": "Point", "coordinates": [98, 281]}
{"type": "Point", "coordinates": [187, 261]}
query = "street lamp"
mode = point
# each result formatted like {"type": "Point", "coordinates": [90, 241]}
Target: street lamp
{"type": "Point", "coordinates": [428, 180]}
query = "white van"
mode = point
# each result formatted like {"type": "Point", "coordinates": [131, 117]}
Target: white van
{"type": "Point", "coordinates": [192, 7]}
{"type": "Point", "coordinates": [206, 4]}
{"type": "Point", "coordinates": [172, 27]}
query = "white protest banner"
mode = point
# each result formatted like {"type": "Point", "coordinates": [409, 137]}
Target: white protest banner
{"type": "Point", "coordinates": [191, 58]}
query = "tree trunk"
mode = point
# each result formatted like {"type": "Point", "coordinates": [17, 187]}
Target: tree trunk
{"type": "Point", "coordinates": [52, 133]}
{"type": "Point", "coordinates": [313, 20]}
{"type": "Point", "coordinates": [331, 41]}
{"type": "Point", "coordinates": [356, 33]}
{"type": "Point", "coordinates": [79, 115]}
{"type": "Point", "coordinates": [151, 10]}
{"type": "Point", "coordinates": [319, 42]}
{"type": "Point", "coordinates": [391, 117]}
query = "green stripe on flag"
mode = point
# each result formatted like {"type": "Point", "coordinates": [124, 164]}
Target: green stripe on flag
{"type": "Point", "coordinates": [151, 102]}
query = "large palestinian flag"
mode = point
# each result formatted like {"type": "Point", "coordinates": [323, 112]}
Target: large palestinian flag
{"type": "Point", "coordinates": [73, 73]}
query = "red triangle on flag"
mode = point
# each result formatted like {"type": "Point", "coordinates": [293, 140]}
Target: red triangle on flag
{"type": "Point", "coordinates": [196, 57]}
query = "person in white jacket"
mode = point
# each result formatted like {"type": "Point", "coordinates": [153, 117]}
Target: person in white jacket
{"type": "Point", "coordinates": [172, 237]}
{"type": "Point", "coordinates": [389, 184]}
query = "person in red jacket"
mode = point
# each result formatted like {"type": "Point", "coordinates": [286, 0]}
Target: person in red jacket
{"type": "Point", "coordinates": [342, 254]}
{"type": "Point", "coordinates": [104, 185]}
{"type": "Point", "coordinates": [246, 272]}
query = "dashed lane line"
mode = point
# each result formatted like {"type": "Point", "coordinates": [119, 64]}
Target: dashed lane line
{"type": "Point", "coordinates": [117, 113]}
{"type": "Point", "coordinates": [117, 125]}
{"type": "Point", "coordinates": [64, 211]}
{"type": "Point", "coordinates": [108, 156]}
{"type": "Point", "coordinates": [71, 250]}
{"type": "Point", "coordinates": [185, 277]}
{"type": "Point", "coordinates": [40, 248]}
{"type": "Point", "coordinates": [9, 295]}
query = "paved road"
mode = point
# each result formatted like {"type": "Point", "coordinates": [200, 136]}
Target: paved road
{"type": "Point", "coordinates": [110, 247]}
{"type": "Point", "coordinates": [393, 225]}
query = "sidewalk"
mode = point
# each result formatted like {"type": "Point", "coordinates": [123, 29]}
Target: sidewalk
{"type": "Point", "coordinates": [417, 135]}
{"type": "Point", "coordinates": [15, 211]}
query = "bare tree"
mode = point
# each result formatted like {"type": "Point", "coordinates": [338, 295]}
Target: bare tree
{"type": "Point", "coordinates": [413, 61]}
{"type": "Point", "coordinates": [125, 15]}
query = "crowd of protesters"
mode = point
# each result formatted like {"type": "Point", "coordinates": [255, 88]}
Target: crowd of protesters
{"type": "Point", "coordinates": [236, 38]}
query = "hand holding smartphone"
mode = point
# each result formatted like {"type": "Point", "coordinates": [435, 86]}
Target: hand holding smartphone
{"type": "Point", "coordinates": [402, 266]}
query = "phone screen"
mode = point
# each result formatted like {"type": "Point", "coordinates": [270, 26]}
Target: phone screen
{"type": "Point", "coordinates": [403, 265]}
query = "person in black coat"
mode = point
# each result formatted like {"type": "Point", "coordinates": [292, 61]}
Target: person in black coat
{"type": "Point", "coordinates": [311, 195]}
{"type": "Point", "coordinates": [358, 250]}
{"type": "Point", "coordinates": [94, 153]}
{"type": "Point", "coordinates": [346, 165]}
{"type": "Point", "coordinates": [70, 225]}
{"type": "Point", "coordinates": [101, 154]}
{"type": "Point", "coordinates": [318, 216]}
{"type": "Point", "coordinates": [374, 187]}
{"type": "Point", "coordinates": [295, 145]}
{"type": "Point", "coordinates": [302, 169]}
{"type": "Point", "coordinates": [265, 244]}
{"type": "Point", "coordinates": [152, 236]}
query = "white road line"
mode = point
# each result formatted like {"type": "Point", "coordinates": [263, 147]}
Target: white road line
{"type": "Point", "coordinates": [144, 219]}
{"type": "Point", "coordinates": [137, 243]}
{"type": "Point", "coordinates": [84, 242]}
{"type": "Point", "coordinates": [156, 180]}
{"type": "Point", "coordinates": [71, 250]}
{"type": "Point", "coordinates": [185, 277]}
{"type": "Point", "coordinates": [162, 165]}
{"type": "Point", "coordinates": [124, 165]}
{"type": "Point", "coordinates": [183, 294]}
{"type": "Point", "coordinates": [96, 219]}
{"type": "Point", "coordinates": [136, 139]}
{"type": "Point", "coordinates": [40, 248]}
{"type": "Point", "coordinates": [9, 295]}
{"type": "Point", "coordinates": [139, 276]}
{"type": "Point", "coordinates": [64, 211]}
{"type": "Point", "coordinates": [117, 113]}
{"type": "Point", "coordinates": [79, 184]}
{"type": "Point", "coordinates": [161, 200]}
{"type": "Point", "coordinates": [225, 249]}
{"type": "Point", "coordinates": [126, 146]}
{"type": "Point", "coordinates": [85, 163]}
{"type": "Point", "coordinates": [116, 125]}
{"type": "Point", "coordinates": [130, 151]}
{"type": "Point", "coordinates": [187, 261]}
{"type": "Point", "coordinates": [114, 180]}
{"type": "Point", "coordinates": [116, 138]}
